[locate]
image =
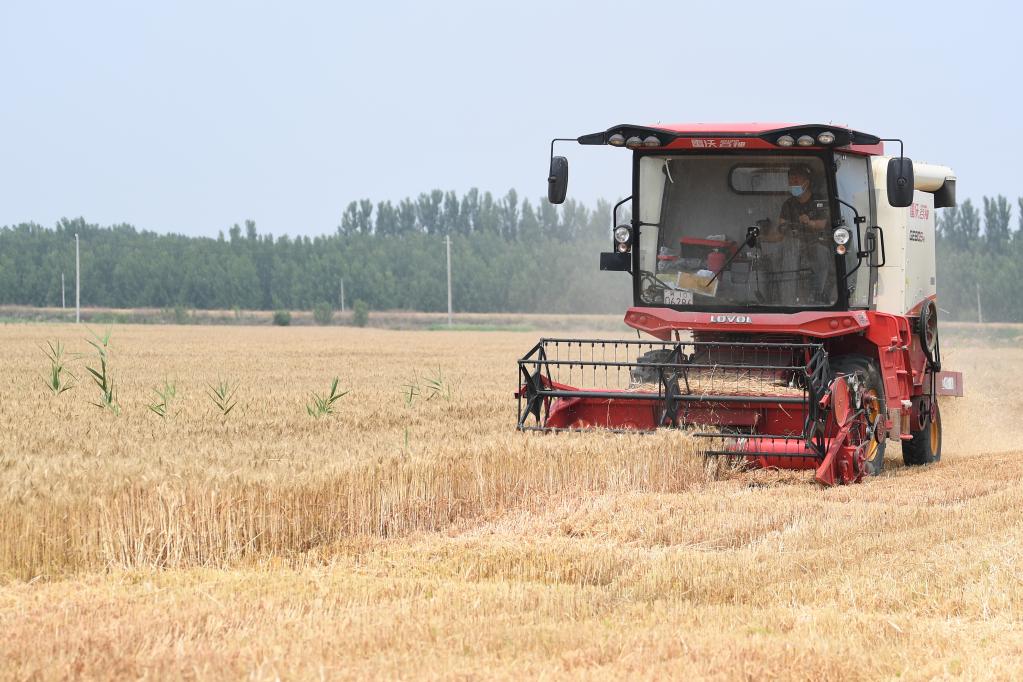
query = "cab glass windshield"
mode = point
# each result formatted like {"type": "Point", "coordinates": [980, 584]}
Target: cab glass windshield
{"type": "Point", "coordinates": [735, 231]}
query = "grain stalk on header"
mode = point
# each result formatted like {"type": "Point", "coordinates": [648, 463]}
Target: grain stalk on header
{"type": "Point", "coordinates": [223, 396]}
{"type": "Point", "coordinates": [101, 375]}
{"type": "Point", "coordinates": [57, 381]}
{"type": "Point", "coordinates": [322, 406]}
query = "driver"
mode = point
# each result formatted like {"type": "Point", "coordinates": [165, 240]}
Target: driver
{"type": "Point", "coordinates": [802, 225]}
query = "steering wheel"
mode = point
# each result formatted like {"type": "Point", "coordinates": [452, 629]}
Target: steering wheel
{"type": "Point", "coordinates": [648, 281]}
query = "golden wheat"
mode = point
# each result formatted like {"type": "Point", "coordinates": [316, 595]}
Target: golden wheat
{"type": "Point", "coordinates": [399, 539]}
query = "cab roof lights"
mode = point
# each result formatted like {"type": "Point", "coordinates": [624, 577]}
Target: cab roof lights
{"type": "Point", "coordinates": [809, 135]}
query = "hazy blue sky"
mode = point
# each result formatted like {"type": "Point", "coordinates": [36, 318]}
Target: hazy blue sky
{"type": "Point", "coordinates": [190, 116]}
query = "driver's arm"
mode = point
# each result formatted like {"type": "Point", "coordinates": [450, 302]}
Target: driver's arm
{"type": "Point", "coordinates": [815, 225]}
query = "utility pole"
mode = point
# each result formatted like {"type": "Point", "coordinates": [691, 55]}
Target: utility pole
{"type": "Point", "coordinates": [980, 312]}
{"type": "Point", "coordinates": [447, 240]}
{"type": "Point", "coordinates": [342, 294]}
{"type": "Point", "coordinates": [78, 282]}
{"type": "Point", "coordinates": [63, 303]}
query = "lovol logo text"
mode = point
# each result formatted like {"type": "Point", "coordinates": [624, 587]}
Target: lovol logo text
{"type": "Point", "coordinates": [733, 319]}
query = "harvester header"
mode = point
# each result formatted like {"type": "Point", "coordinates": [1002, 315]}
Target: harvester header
{"type": "Point", "coordinates": [785, 275]}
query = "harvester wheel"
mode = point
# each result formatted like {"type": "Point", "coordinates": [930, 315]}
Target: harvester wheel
{"type": "Point", "coordinates": [925, 448]}
{"type": "Point", "coordinates": [649, 375]}
{"type": "Point", "coordinates": [873, 402]}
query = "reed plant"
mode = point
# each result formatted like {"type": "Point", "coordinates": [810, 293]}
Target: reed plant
{"type": "Point", "coordinates": [223, 395]}
{"type": "Point", "coordinates": [321, 406]}
{"type": "Point", "coordinates": [101, 375]}
{"type": "Point", "coordinates": [57, 380]}
{"type": "Point", "coordinates": [168, 393]}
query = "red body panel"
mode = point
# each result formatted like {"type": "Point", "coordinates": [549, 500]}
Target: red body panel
{"type": "Point", "coordinates": [888, 338]}
{"type": "Point", "coordinates": [664, 322]}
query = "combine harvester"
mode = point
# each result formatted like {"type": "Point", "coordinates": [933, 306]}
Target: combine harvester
{"type": "Point", "coordinates": [786, 275]}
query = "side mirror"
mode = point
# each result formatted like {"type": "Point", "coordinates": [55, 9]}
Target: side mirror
{"type": "Point", "coordinates": [557, 181]}
{"type": "Point", "coordinates": [615, 261]}
{"type": "Point", "coordinates": [900, 182]}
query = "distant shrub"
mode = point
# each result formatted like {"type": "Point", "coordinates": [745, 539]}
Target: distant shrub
{"type": "Point", "coordinates": [323, 313]}
{"type": "Point", "coordinates": [360, 314]}
{"type": "Point", "coordinates": [282, 318]}
{"type": "Point", "coordinates": [181, 315]}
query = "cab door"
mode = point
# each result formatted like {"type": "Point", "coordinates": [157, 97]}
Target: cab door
{"type": "Point", "coordinates": [853, 183]}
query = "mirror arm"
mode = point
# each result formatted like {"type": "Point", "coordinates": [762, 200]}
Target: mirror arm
{"type": "Point", "coordinates": [560, 139]}
{"type": "Point", "coordinates": [895, 139]}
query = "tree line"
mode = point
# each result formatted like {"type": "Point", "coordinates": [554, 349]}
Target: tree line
{"type": "Point", "coordinates": [506, 254]}
{"type": "Point", "coordinates": [509, 255]}
{"type": "Point", "coordinates": [980, 261]}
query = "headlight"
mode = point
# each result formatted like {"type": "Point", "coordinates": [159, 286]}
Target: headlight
{"type": "Point", "coordinates": [616, 140]}
{"type": "Point", "coordinates": [805, 141]}
{"type": "Point", "coordinates": [841, 236]}
{"type": "Point", "coordinates": [785, 141]}
{"type": "Point", "coordinates": [827, 137]}
{"type": "Point", "coordinates": [651, 141]}
{"type": "Point", "coordinates": [622, 234]}
{"type": "Point", "coordinates": [634, 142]}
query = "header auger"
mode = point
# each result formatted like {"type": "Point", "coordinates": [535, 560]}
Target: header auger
{"type": "Point", "coordinates": [786, 277]}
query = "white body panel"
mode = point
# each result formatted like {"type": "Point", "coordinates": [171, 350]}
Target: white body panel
{"type": "Point", "coordinates": [929, 177]}
{"type": "Point", "coordinates": [908, 277]}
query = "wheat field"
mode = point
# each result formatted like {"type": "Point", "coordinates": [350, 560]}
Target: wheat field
{"type": "Point", "coordinates": [415, 534]}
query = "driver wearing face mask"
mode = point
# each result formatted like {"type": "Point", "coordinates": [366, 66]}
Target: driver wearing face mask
{"type": "Point", "coordinates": [797, 242]}
{"type": "Point", "coordinates": [803, 212]}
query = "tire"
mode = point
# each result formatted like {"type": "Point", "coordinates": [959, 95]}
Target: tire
{"type": "Point", "coordinates": [925, 447]}
{"type": "Point", "coordinates": [867, 369]}
{"type": "Point", "coordinates": [649, 375]}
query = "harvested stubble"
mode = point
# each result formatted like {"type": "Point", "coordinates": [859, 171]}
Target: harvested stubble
{"type": "Point", "coordinates": [273, 545]}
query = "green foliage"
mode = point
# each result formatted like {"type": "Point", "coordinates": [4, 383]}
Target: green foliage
{"type": "Point", "coordinates": [223, 395]}
{"type": "Point", "coordinates": [360, 314]}
{"type": "Point", "coordinates": [531, 258]}
{"type": "Point", "coordinates": [101, 375]}
{"type": "Point", "coordinates": [435, 386]}
{"type": "Point", "coordinates": [181, 315]}
{"type": "Point", "coordinates": [980, 263]}
{"type": "Point", "coordinates": [323, 406]}
{"type": "Point", "coordinates": [427, 387]}
{"type": "Point", "coordinates": [165, 395]}
{"type": "Point", "coordinates": [282, 318]}
{"type": "Point", "coordinates": [57, 381]}
{"type": "Point", "coordinates": [323, 313]}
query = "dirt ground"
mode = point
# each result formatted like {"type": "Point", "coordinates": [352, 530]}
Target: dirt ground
{"type": "Point", "coordinates": [415, 534]}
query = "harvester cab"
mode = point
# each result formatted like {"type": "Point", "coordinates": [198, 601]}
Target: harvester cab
{"type": "Point", "coordinates": [785, 277]}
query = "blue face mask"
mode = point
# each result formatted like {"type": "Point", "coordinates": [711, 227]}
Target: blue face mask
{"type": "Point", "coordinates": [796, 190]}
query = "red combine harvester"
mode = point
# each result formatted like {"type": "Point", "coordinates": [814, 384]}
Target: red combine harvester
{"type": "Point", "coordinates": [786, 275]}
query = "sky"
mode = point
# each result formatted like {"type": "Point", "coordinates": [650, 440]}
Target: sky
{"type": "Point", "coordinates": [189, 117]}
